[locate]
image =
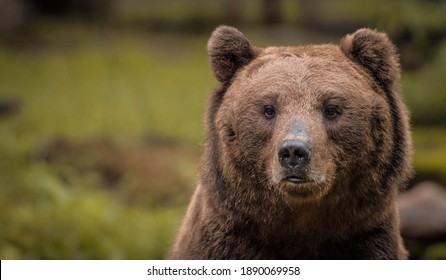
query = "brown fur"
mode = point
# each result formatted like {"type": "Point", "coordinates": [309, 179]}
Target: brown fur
{"type": "Point", "coordinates": [342, 102]}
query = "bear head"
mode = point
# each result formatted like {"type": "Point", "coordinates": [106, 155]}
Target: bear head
{"type": "Point", "coordinates": [300, 124]}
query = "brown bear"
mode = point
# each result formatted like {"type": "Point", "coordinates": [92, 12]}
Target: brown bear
{"type": "Point", "coordinates": [306, 150]}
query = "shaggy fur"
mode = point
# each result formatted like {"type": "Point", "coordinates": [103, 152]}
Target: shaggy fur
{"type": "Point", "coordinates": [306, 149]}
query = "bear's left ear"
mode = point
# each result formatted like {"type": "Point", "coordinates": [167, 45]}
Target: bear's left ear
{"type": "Point", "coordinates": [374, 51]}
{"type": "Point", "coordinates": [229, 50]}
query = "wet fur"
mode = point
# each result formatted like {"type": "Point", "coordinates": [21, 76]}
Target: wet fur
{"type": "Point", "coordinates": [239, 212]}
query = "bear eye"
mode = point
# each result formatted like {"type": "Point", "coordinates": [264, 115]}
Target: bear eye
{"type": "Point", "coordinates": [269, 111]}
{"type": "Point", "coordinates": [331, 112]}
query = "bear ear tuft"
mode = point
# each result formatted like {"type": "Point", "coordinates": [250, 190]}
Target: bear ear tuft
{"type": "Point", "coordinates": [374, 51]}
{"type": "Point", "coordinates": [229, 50]}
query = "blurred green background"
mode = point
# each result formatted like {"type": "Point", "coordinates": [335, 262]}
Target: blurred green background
{"type": "Point", "coordinates": [101, 106]}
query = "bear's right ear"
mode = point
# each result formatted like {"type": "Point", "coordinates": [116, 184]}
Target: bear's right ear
{"type": "Point", "coordinates": [229, 50]}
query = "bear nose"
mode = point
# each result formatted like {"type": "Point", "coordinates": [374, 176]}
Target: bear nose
{"type": "Point", "coordinates": [294, 153]}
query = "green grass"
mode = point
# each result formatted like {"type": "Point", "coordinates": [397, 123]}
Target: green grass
{"type": "Point", "coordinates": [126, 87]}
{"type": "Point", "coordinates": [430, 150]}
{"type": "Point", "coordinates": [53, 220]}
{"type": "Point", "coordinates": [83, 84]}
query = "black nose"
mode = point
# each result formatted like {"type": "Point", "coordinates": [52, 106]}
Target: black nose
{"type": "Point", "coordinates": [294, 153]}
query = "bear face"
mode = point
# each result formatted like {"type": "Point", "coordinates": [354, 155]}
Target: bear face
{"type": "Point", "coordinates": [306, 149]}
{"type": "Point", "coordinates": [297, 120]}
{"type": "Point", "coordinates": [307, 124]}
{"type": "Point", "coordinates": [305, 120]}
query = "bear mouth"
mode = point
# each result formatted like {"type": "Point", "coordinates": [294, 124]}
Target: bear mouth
{"type": "Point", "coordinates": [298, 186]}
{"type": "Point", "coordinates": [296, 179]}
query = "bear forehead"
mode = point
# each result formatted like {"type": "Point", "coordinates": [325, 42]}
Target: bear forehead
{"type": "Point", "coordinates": [304, 61]}
{"type": "Point", "coordinates": [321, 68]}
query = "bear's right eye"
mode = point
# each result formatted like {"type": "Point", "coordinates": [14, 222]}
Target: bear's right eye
{"type": "Point", "coordinates": [269, 112]}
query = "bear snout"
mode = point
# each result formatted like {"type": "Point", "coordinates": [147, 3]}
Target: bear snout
{"type": "Point", "coordinates": [294, 153]}
{"type": "Point", "coordinates": [294, 156]}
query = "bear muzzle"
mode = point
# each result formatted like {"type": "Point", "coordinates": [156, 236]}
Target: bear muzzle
{"type": "Point", "coordinates": [294, 153]}
{"type": "Point", "coordinates": [296, 175]}
{"type": "Point", "coordinates": [294, 156]}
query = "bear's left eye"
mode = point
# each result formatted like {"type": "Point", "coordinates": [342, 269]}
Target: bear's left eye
{"type": "Point", "coordinates": [269, 111]}
{"type": "Point", "coordinates": [331, 112]}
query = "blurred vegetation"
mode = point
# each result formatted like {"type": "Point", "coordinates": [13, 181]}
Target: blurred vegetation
{"type": "Point", "coordinates": [101, 111]}
{"type": "Point", "coordinates": [79, 105]}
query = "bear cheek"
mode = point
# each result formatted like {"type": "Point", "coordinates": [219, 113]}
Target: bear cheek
{"type": "Point", "coordinates": [381, 136]}
{"type": "Point", "coordinates": [322, 166]}
{"type": "Point", "coordinates": [228, 135]}
{"type": "Point", "coordinates": [350, 139]}
{"type": "Point", "coordinates": [225, 124]}
{"type": "Point", "coordinates": [274, 171]}
{"type": "Point", "coordinates": [254, 141]}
